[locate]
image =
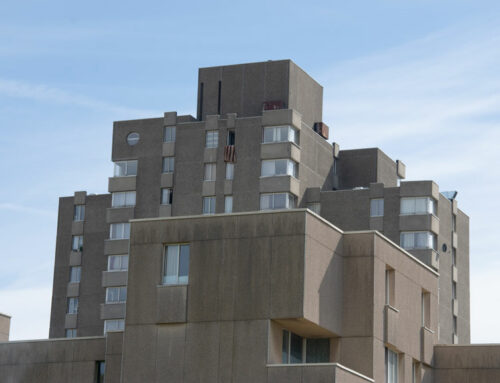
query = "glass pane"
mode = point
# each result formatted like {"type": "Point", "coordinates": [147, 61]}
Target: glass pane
{"type": "Point", "coordinates": [124, 265]}
{"type": "Point", "coordinates": [282, 133]}
{"type": "Point", "coordinates": [407, 240]}
{"type": "Point", "coordinates": [407, 206]}
{"type": "Point", "coordinates": [420, 205]}
{"type": "Point", "coordinates": [113, 262]}
{"type": "Point", "coordinates": [279, 201]}
{"type": "Point", "coordinates": [228, 204]}
{"type": "Point", "coordinates": [123, 294]}
{"type": "Point", "coordinates": [267, 168]}
{"type": "Point", "coordinates": [295, 348]}
{"type": "Point", "coordinates": [421, 240]}
{"type": "Point", "coordinates": [291, 201]}
{"type": "Point", "coordinates": [229, 171]}
{"type": "Point", "coordinates": [285, 346]}
{"type": "Point", "coordinates": [171, 265]}
{"type": "Point", "coordinates": [268, 134]}
{"type": "Point", "coordinates": [131, 168]}
{"type": "Point", "coordinates": [281, 167]}
{"type": "Point", "coordinates": [318, 351]}
{"type": "Point", "coordinates": [120, 169]}
{"type": "Point", "coordinates": [184, 264]}
{"type": "Point", "coordinates": [265, 201]}
{"type": "Point", "coordinates": [130, 199]}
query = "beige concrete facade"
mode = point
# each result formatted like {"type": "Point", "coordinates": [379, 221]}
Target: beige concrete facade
{"type": "Point", "coordinates": [271, 296]}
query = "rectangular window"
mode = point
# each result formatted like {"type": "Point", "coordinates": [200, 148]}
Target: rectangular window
{"type": "Point", "coordinates": [119, 230]}
{"type": "Point", "coordinates": [454, 222]}
{"type": "Point", "coordinates": [75, 273]}
{"type": "Point", "coordinates": [208, 205]}
{"type": "Point", "coordinates": [280, 134]}
{"type": "Point", "coordinates": [453, 290]}
{"type": "Point", "coordinates": [315, 207]}
{"type": "Point", "coordinates": [168, 164]}
{"type": "Point", "coordinates": [426, 307]}
{"type": "Point", "coordinates": [273, 201]}
{"type": "Point", "coordinates": [212, 139]}
{"type": "Point", "coordinates": [228, 204]}
{"type": "Point", "coordinates": [125, 168]}
{"type": "Point", "coordinates": [455, 325]}
{"type": "Point", "coordinates": [296, 349]}
{"type": "Point", "coordinates": [79, 213]}
{"type": "Point", "coordinates": [390, 292]}
{"type": "Point", "coordinates": [167, 195]}
{"type": "Point", "coordinates": [231, 137]}
{"type": "Point", "coordinates": [279, 167]}
{"type": "Point", "coordinates": [114, 325]}
{"type": "Point", "coordinates": [77, 243]}
{"type": "Point", "coordinates": [100, 367]}
{"type": "Point", "coordinates": [169, 134]}
{"type": "Point", "coordinates": [210, 171]}
{"type": "Point", "coordinates": [123, 199]}
{"type": "Point", "coordinates": [454, 256]}
{"type": "Point", "coordinates": [118, 262]}
{"type": "Point", "coordinates": [418, 240]}
{"type": "Point", "coordinates": [391, 366]}
{"type": "Point", "coordinates": [176, 264]}
{"type": "Point", "coordinates": [377, 207]}
{"type": "Point", "coordinates": [72, 305]}
{"type": "Point", "coordinates": [418, 205]}
{"type": "Point", "coordinates": [71, 333]}
{"type": "Point", "coordinates": [229, 171]}
{"type": "Point", "coordinates": [116, 294]}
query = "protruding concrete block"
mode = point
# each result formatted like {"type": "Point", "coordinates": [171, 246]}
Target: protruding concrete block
{"type": "Point", "coordinates": [282, 117]}
{"type": "Point", "coordinates": [80, 197]}
{"type": "Point", "coordinates": [169, 118]}
{"type": "Point", "coordinates": [73, 290]}
{"type": "Point", "coordinates": [168, 149]}
{"type": "Point", "coordinates": [401, 169]}
{"type": "Point", "coordinates": [117, 184]}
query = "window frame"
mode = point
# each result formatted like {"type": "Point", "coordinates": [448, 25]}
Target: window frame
{"type": "Point", "coordinates": [70, 333]}
{"type": "Point", "coordinates": [211, 205]}
{"type": "Point", "coordinates": [229, 171]}
{"type": "Point", "coordinates": [129, 199]}
{"type": "Point", "coordinates": [124, 231]}
{"type": "Point", "coordinates": [226, 199]}
{"type": "Point", "coordinates": [209, 171]}
{"type": "Point", "coordinates": [211, 139]}
{"type": "Point", "coordinates": [430, 206]}
{"type": "Point", "coordinates": [169, 133]}
{"type": "Point", "coordinates": [179, 279]}
{"type": "Point", "coordinates": [120, 327]}
{"type": "Point", "coordinates": [430, 236]}
{"type": "Point", "coordinates": [79, 246]}
{"type": "Point", "coordinates": [169, 192]}
{"type": "Point", "coordinates": [286, 348]}
{"type": "Point", "coordinates": [377, 207]}
{"type": "Point", "coordinates": [72, 305]}
{"type": "Point", "coordinates": [231, 133]}
{"type": "Point", "coordinates": [290, 200]}
{"type": "Point", "coordinates": [168, 164]}
{"type": "Point", "coordinates": [78, 273]}
{"type": "Point", "coordinates": [127, 165]}
{"type": "Point", "coordinates": [292, 132]}
{"type": "Point", "coordinates": [121, 257]}
{"type": "Point", "coordinates": [390, 354]}
{"type": "Point", "coordinates": [121, 294]}
{"type": "Point", "coordinates": [291, 168]}
{"type": "Point", "coordinates": [79, 213]}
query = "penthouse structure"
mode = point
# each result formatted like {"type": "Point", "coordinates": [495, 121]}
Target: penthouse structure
{"type": "Point", "coordinates": [243, 246]}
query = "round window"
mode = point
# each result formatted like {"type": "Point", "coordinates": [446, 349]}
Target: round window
{"type": "Point", "coordinates": [133, 138]}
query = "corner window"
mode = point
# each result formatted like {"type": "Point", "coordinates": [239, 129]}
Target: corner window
{"type": "Point", "coordinates": [79, 213]}
{"type": "Point", "coordinates": [77, 243]}
{"type": "Point", "coordinates": [169, 134]}
{"type": "Point", "coordinates": [210, 172]}
{"type": "Point", "coordinates": [377, 207]}
{"type": "Point", "coordinates": [71, 333]}
{"type": "Point", "coordinates": [176, 264]}
{"type": "Point", "coordinates": [212, 139]}
{"type": "Point", "coordinates": [114, 325]}
{"type": "Point", "coordinates": [167, 196]}
{"type": "Point", "coordinates": [228, 204]}
{"type": "Point", "coordinates": [75, 273]}
{"type": "Point", "coordinates": [418, 205]}
{"type": "Point", "coordinates": [391, 366]}
{"type": "Point", "coordinates": [229, 171]}
{"type": "Point", "coordinates": [296, 349]}
{"type": "Point", "coordinates": [72, 305]}
{"type": "Point", "coordinates": [123, 199]}
{"type": "Point", "coordinates": [279, 167]}
{"type": "Point", "coordinates": [284, 133]}
{"type": "Point", "coordinates": [125, 168]}
{"type": "Point", "coordinates": [116, 294]}
{"type": "Point", "coordinates": [119, 230]}
{"type": "Point", "coordinates": [418, 240]}
{"type": "Point", "coordinates": [273, 201]}
{"type": "Point", "coordinates": [209, 205]}
{"type": "Point", "coordinates": [118, 262]}
{"type": "Point", "coordinates": [168, 164]}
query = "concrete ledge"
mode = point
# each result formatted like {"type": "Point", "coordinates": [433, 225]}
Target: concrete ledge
{"type": "Point", "coordinates": [279, 184]}
{"type": "Point", "coordinates": [169, 118]}
{"type": "Point", "coordinates": [313, 373]}
{"type": "Point", "coordinates": [75, 258]}
{"type": "Point", "coordinates": [116, 246]}
{"type": "Point", "coordinates": [77, 228]}
{"type": "Point", "coordinates": [419, 189]}
{"type": "Point", "coordinates": [73, 290]}
{"type": "Point", "coordinates": [117, 184]}
{"type": "Point", "coordinates": [282, 117]}
{"type": "Point", "coordinates": [114, 278]}
{"type": "Point", "coordinates": [270, 151]}
{"type": "Point", "coordinates": [80, 197]}
{"type": "Point", "coordinates": [117, 215]}
{"type": "Point", "coordinates": [419, 222]}
{"type": "Point", "coordinates": [212, 122]}
{"type": "Point", "coordinates": [70, 320]}
{"type": "Point", "coordinates": [112, 311]}
{"type": "Point", "coordinates": [167, 180]}
{"type": "Point", "coordinates": [171, 304]}
{"type": "Point", "coordinates": [168, 149]}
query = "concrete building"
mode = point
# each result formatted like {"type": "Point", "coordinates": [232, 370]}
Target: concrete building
{"type": "Point", "coordinates": [242, 246]}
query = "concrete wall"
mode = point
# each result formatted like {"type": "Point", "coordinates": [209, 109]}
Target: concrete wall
{"type": "Point", "coordinates": [467, 363]}
{"type": "Point", "coordinates": [51, 361]}
{"type": "Point", "coordinates": [4, 327]}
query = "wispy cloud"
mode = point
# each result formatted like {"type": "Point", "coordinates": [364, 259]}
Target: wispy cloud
{"type": "Point", "coordinates": [48, 94]}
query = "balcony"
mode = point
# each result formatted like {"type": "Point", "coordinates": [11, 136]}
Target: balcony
{"type": "Point", "coordinates": [313, 373]}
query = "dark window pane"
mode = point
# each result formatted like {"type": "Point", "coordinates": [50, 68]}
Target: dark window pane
{"type": "Point", "coordinates": [295, 348]}
{"type": "Point", "coordinates": [284, 348]}
{"type": "Point", "coordinates": [318, 351]}
{"type": "Point", "coordinates": [184, 261]}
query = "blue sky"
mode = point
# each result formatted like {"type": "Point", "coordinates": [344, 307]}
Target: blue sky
{"type": "Point", "coordinates": [418, 79]}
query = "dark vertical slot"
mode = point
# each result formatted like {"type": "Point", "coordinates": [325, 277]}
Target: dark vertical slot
{"type": "Point", "coordinates": [200, 103]}
{"type": "Point", "coordinates": [218, 99]}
